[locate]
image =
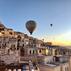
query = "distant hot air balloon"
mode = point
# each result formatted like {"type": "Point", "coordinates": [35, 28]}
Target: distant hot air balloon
{"type": "Point", "coordinates": [51, 25]}
{"type": "Point", "coordinates": [31, 25]}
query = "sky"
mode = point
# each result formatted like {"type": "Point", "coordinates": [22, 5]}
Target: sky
{"type": "Point", "coordinates": [15, 13]}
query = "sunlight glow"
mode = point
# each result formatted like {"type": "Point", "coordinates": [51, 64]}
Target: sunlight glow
{"type": "Point", "coordinates": [60, 39]}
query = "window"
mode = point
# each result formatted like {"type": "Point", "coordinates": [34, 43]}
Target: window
{"type": "Point", "coordinates": [10, 33]}
{"type": "Point", "coordinates": [2, 32]}
{"type": "Point", "coordinates": [23, 45]}
{"type": "Point", "coordinates": [66, 68]}
{"type": "Point", "coordinates": [33, 51]}
{"type": "Point", "coordinates": [22, 51]}
{"type": "Point", "coordinates": [30, 51]}
{"type": "Point", "coordinates": [40, 51]}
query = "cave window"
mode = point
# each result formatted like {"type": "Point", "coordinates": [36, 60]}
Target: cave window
{"type": "Point", "coordinates": [40, 51]}
{"type": "Point", "coordinates": [10, 33]}
{"type": "Point", "coordinates": [30, 51]}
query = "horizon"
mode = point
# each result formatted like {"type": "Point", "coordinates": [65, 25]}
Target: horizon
{"type": "Point", "coordinates": [54, 43]}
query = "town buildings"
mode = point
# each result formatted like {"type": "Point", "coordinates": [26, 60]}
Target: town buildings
{"type": "Point", "coordinates": [17, 47]}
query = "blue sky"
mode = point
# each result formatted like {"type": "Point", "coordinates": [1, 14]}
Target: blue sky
{"type": "Point", "coordinates": [15, 13]}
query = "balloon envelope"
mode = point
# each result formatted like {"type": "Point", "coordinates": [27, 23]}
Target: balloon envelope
{"type": "Point", "coordinates": [31, 25]}
{"type": "Point", "coordinates": [51, 25]}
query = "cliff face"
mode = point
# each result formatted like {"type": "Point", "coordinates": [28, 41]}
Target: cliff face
{"type": "Point", "coordinates": [12, 58]}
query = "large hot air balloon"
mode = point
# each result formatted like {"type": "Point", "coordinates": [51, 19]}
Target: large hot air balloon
{"type": "Point", "coordinates": [31, 25]}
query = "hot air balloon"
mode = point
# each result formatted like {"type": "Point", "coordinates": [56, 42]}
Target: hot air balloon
{"type": "Point", "coordinates": [31, 25]}
{"type": "Point", "coordinates": [51, 25]}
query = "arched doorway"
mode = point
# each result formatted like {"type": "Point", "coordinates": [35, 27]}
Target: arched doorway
{"type": "Point", "coordinates": [22, 51]}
